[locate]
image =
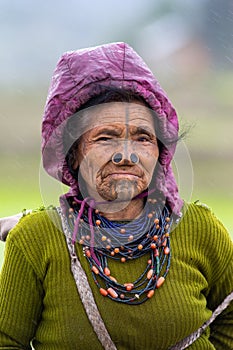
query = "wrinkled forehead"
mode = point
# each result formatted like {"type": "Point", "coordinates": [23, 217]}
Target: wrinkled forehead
{"type": "Point", "coordinates": [120, 113]}
{"type": "Point", "coordinates": [108, 115]}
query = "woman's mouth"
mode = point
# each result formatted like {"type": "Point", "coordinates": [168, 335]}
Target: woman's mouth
{"type": "Point", "coordinates": [125, 176]}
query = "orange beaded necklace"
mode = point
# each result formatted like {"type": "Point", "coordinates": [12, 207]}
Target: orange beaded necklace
{"type": "Point", "coordinates": [123, 241]}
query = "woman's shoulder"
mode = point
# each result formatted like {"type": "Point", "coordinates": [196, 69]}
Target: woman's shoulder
{"type": "Point", "coordinates": [37, 238]}
{"type": "Point", "coordinates": [200, 223]}
{"type": "Point", "coordinates": [199, 213]}
{"type": "Point", "coordinates": [201, 237]}
{"type": "Point", "coordinates": [36, 225]}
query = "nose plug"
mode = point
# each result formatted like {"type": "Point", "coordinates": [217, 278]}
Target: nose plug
{"type": "Point", "coordinates": [117, 158]}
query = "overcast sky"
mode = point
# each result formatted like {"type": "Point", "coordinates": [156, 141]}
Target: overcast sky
{"type": "Point", "coordinates": [34, 34]}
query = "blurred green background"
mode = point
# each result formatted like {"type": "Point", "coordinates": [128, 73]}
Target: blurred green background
{"type": "Point", "coordinates": [187, 44]}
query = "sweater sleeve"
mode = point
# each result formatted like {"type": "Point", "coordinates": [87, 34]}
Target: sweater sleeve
{"type": "Point", "coordinates": [20, 300]}
{"type": "Point", "coordinates": [221, 334]}
{"type": "Point", "coordinates": [222, 327]}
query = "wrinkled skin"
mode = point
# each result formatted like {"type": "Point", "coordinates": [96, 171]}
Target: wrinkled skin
{"type": "Point", "coordinates": [124, 128]}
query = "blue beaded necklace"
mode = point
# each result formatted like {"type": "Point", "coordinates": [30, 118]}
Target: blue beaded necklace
{"type": "Point", "coordinates": [123, 241]}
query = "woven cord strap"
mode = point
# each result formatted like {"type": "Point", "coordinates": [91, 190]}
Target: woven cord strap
{"type": "Point", "coordinates": [183, 344]}
{"type": "Point", "coordinates": [85, 291]}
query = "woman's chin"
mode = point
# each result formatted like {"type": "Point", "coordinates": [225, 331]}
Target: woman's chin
{"type": "Point", "coordinates": [121, 190]}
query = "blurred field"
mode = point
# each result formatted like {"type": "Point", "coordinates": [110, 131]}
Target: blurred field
{"type": "Point", "coordinates": [206, 104]}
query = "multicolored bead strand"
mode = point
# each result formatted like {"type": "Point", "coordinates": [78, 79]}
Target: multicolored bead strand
{"type": "Point", "coordinates": [123, 241]}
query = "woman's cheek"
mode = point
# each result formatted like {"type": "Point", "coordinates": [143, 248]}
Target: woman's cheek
{"type": "Point", "coordinates": [86, 170]}
{"type": "Point", "coordinates": [149, 159]}
{"type": "Point", "coordinates": [90, 166]}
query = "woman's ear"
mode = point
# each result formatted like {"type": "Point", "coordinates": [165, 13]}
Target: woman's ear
{"type": "Point", "coordinates": [72, 161]}
{"type": "Point", "coordinates": [75, 164]}
{"type": "Point", "coordinates": [73, 158]}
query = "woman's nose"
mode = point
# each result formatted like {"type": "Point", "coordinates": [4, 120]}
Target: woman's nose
{"type": "Point", "coordinates": [120, 158]}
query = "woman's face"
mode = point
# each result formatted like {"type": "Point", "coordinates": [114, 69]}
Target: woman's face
{"type": "Point", "coordinates": [117, 128]}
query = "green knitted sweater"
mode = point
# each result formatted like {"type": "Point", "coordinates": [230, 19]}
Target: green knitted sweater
{"type": "Point", "coordinates": [39, 300]}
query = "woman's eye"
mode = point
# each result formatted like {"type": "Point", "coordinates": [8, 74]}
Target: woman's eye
{"type": "Point", "coordinates": [143, 139]}
{"type": "Point", "coordinates": [103, 138]}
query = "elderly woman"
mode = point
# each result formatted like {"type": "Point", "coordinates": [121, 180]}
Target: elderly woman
{"type": "Point", "coordinates": [123, 263]}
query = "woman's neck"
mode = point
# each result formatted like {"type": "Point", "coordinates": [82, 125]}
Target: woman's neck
{"type": "Point", "coordinates": [122, 211]}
